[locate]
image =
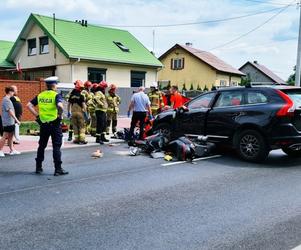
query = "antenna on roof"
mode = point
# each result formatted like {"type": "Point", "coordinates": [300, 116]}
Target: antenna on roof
{"type": "Point", "coordinates": [53, 23]}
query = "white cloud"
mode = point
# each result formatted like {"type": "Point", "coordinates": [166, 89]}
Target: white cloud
{"type": "Point", "coordinates": [260, 45]}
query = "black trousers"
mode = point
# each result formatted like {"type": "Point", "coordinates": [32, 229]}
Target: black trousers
{"type": "Point", "coordinates": [101, 122]}
{"type": "Point", "coordinates": [53, 130]}
{"type": "Point", "coordinates": [138, 116]}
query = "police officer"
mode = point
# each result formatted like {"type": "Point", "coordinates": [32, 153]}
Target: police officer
{"type": "Point", "coordinates": [49, 117]}
{"type": "Point", "coordinates": [113, 101]}
{"type": "Point", "coordinates": [77, 106]}
{"type": "Point", "coordinates": [101, 112]}
{"type": "Point", "coordinates": [156, 99]}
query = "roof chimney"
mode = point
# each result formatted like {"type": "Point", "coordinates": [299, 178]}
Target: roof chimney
{"type": "Point", "coordinates": [189, 44]}
{"type": "Point", "coordinates": [86, 23]}
{"type": "Point", "coordinates": [256, 62]}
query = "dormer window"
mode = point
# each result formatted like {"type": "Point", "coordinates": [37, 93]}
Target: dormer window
{"type": "Point", "coordinates": [44, 45]}
{"type": "Point", "coordinates": [122, 47]}
{"type": "Point", "coordinates": [32, 47]}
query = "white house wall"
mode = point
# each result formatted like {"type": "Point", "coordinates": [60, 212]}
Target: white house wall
{"type": "Point", "coordinates": [39, 60]}
{"type": "Point", "coordinates": [117, 74]}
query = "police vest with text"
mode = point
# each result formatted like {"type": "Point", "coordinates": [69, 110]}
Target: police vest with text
{"type": "Point", "coordinates": [47, 106]}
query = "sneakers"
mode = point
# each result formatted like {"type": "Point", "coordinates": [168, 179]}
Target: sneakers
{"type": "Point", "coordinates": [2, 154]}
{"type": "Point", "coordinates": [59, 172]}
{"type": "Point", "coordinates": [14, 152]}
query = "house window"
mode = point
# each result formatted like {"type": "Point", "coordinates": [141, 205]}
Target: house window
{"type": "Point", "coordinates": [44, 45]}
{"type": "Point", "coordinates": [137, 79]}
{"type": "Point", "coordinates": [233, 83]}
{"type": "Point", "coordinates": [177, 64]}
{"type": "Point", "coordinates": [223, 83]}
{"type": "Point", "coordinates": [32, 47]}
{"type": "Point", "coordinates": [122, 47]}
{"type": "Point", "coordinates": [96, 75]}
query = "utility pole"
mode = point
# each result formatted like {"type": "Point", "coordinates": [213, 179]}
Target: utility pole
{"type": "Point", "coordinates": [154, 42]}
{"type": "Point", "coordinates": [298, 65]}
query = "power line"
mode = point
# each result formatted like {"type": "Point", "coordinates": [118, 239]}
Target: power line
{"type": "Point", "coordinates": [194, 23]}
{"type": "Point", "coordinates": [254, 29]}
{"type": "Point", "coordinates": [266, 2]}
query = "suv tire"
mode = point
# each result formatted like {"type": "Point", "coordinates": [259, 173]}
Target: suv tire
{"type": "Point", "coordinates": [291, 152]}
{"type": "Point", "coordinates": [251, 146]}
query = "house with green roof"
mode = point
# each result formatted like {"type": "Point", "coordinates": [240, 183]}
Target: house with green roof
{"type": "Point", "coordinates": [5, 66]}
{"type": "Point", "coordinates": [77, 50]}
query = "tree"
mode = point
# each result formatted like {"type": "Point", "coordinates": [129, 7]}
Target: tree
{"type": "Point", "coordinates": [184, 87]}
{"type": "Point", "coordinates": [191, 86]}
{"type": "Point", "coordinates": [199, 88]}
{"type": "Point", "coordinates": [245, 80]}
{"type": "Point", "coordinates": [205, 88]}
{"type": "Point", "coordinates": [292, 78]}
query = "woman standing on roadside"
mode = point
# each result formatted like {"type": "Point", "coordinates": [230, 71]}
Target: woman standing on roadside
{"type": "Point", "coordinates": [9, 120]}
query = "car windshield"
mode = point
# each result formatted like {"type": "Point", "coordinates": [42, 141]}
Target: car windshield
{"type": "Point", "coordinates": [295, 95]}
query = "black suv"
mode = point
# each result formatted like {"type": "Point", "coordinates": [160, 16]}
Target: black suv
{"type": "Point", "coordinates": [253, 120]}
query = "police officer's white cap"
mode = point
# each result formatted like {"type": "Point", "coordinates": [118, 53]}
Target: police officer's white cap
{"type": "Point", "coordinates": [52, 80]}
{"type": "Point", "coordinates": [154, 85]}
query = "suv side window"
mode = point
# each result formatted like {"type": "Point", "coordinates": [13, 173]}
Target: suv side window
{"type": "Point", "coordinates": [229, 99]}
{"type": "Point", "coordinates": [201, 102]}
{"type": "Point", "coordinates": [255, 97]}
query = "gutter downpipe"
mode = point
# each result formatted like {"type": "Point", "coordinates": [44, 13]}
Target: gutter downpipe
{"type": "Point", "coordinates": [72, 69]}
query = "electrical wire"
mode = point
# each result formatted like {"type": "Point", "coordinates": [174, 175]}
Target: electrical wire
{"type": "Point", "coordinates": [252, 30]}
{"type": "Point", "coordinates": [266, 2]}
{"type": "Point", "coordinates": [193, 23]}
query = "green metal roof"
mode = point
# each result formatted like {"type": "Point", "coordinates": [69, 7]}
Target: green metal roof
{"type": "Point", "coordinates": [92, 42]}
{"type": "Point", "coordinates": [5, 47]}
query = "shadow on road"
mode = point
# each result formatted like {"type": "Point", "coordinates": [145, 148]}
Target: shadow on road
{"type": "Point", "coordinates": [276, 159]}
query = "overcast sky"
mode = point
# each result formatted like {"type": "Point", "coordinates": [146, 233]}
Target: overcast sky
{"type": "Point", "coordinates": [274, 44]}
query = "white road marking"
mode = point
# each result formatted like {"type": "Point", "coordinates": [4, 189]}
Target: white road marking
{"type": "Point", "coordinates": [194, 160]}
{"type": "Point", "coordinates": [206, 158]}
{"type": "Point", "coordinates": [173, 163]}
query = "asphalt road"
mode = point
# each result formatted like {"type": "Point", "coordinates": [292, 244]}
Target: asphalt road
{"type": "Point", "coordinates": [123, 202]}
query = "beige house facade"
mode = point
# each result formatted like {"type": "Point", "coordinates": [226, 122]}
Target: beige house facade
{"type": "Point", "coordinates": [186, 65]}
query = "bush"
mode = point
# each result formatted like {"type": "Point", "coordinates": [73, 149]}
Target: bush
{"type": "Point", "coordinates": [199, 88]}
{"type": "Point", "coordinates": [205, 88]}
{"type": "Point", "coordinates": [184, 87]}
{"type": "Point", "coordinates": [191, 86]}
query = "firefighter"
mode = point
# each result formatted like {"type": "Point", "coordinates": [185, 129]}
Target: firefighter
{"type": "Point", "coordinates": [91, 105]}
{"type": "Point", "coordinates": [113, 101]}
{"type": "Point", "coordinates": [49, 117]}
{"type": "Point", "coordinates": [77, 106]}
{"type": "Point", "coordinates": [88, 96]}
{"type": "Point", "coordinates": [70, 130]}
{"type": "Point", "coordinates": [101, 112]}
{"type": "Point", "coordinates": [156, 99]}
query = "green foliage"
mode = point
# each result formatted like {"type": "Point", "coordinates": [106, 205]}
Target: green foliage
{"type": "Point", "coordinates": [245, 80]}
{"type": "Point", "coordinates": [199, 88]}
{"type": "Point", "coordinates": [191, 86]}
{"type": "Point", "coordinates": [292, 78]}
{"type": "Point", "coordinates": [205, 88]}
{"type": "Point", "coordinates": [184, 87]}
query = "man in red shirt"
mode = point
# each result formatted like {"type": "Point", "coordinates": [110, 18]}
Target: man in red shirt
{"type": "Point", "coordinates": [176, 98]}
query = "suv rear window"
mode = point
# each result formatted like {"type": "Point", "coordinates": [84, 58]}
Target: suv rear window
{"type": "Point", "coordinates": [295, 95]}
{"type": "Point", "coordinates": [255, 97]}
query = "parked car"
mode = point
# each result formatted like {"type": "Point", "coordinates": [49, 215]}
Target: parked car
{"type": "Point", "coordinates": [252, 120]}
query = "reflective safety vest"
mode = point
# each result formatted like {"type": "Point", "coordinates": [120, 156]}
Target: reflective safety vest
{"type": "Point", "coordinates": [156, 100]}
{"type": "Point", "coordinates": [113, 103]}
{"type": "Point", "coordinates": [47, 106]}
{"type": "Point", "coordinates": [100, 101]}
{"type": "Point", "coordinates": [91, 104]}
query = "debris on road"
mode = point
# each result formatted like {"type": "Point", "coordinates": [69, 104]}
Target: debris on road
{"type": "Point", "coordinates": [97, 154]}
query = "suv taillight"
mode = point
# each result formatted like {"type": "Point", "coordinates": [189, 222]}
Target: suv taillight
{"type": "Point", "coordinates": [288, 108]}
